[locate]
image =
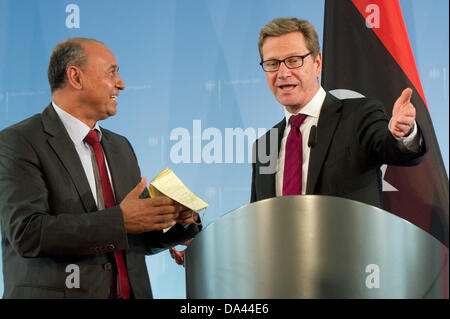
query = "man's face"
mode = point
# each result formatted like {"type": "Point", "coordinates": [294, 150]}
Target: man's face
{"type": "Point", "coordinates": [293, 88]}
{"type": "Point", "coordinates": [101, 82]}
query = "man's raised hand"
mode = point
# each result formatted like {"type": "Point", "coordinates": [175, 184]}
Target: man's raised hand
{"type": "Point", "coordinates": [403, 115]}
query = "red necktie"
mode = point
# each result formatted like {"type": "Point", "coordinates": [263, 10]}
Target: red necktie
{"type": "Point", "coordinates": [292, 177]}
{"type": "Point", "coordinates": [108, 197]}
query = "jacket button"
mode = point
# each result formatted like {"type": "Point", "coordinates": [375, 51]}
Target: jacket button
{"type": "Point", "coordinates": [111, 247]}
{"type": "Point", "coordinates": [107, 266]}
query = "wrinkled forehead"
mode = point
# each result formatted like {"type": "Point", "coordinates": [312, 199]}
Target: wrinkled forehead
{"type": "Point", "coordinates": [275, 47]}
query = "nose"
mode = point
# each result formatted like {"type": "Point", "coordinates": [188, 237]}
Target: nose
{"type": "Point", "coordinates": [283, 72]}
{"type": "Point", "coordinates": [120, 84]}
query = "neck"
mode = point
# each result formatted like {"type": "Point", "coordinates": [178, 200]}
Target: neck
{"type": "Point", "coordinates": [294, 109]}
{"type": "Point", "coordinates": [71, 105]}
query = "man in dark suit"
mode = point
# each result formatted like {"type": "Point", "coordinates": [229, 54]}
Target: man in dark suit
{"type": "Point", "coordinates": [324, 145]}
{"type": "Point", "coordinates": [77, 223]}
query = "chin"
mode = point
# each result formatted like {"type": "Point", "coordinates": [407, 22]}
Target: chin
{"type": "Point", "coordinates": [111, 112]}
{"type": "Point", "coordinates": [288, 99]}
{"type": "Point", "coordinates": [293, 109]}
{"type": "Point", "coordinates": [289, 103]}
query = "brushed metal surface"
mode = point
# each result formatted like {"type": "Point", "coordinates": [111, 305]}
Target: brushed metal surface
{"type": "Point", "coordinates": [314, 246]}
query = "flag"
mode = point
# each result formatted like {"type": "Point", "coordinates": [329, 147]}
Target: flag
{"type": "Point", "coordinates": [366, 50]}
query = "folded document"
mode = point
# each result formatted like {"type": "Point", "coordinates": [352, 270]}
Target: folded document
{"type": "Point", "coordinates": [168, 184]}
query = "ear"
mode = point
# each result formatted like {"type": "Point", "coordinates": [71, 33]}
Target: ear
{"type": "Point", "coordinates": [318, 64]}
{"type": "Point", "coordinates": [75, 77]}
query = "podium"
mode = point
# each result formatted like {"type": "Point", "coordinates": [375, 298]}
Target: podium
{"type": "Point", "coordinates": [314, 246]}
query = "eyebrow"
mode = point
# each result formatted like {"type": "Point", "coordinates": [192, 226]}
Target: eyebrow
{"type": "Point", "coordinates": [287, 56]}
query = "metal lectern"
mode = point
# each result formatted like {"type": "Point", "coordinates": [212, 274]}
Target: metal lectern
{"type": "Point", "coordinates": [314, 246]}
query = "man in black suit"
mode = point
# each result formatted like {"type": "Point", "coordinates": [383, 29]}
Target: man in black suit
{"type": "Point", "coordinates": [350, 139]}
{"type": "Point", "coordinates": [58, 239]}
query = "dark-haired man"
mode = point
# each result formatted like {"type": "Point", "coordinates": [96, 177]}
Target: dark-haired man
{"type": "Point", "coordinates": [354, 137]}
{"type": "Point", "coordinates": [75, 213]}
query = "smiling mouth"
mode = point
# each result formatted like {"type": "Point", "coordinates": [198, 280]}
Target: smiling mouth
{"type": "Point", "coordinates": [114, 97]}
{"type": "Point", "coordinates": [287, 87]}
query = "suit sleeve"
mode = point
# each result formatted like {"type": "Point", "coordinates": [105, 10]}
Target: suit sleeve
{"type": "Point", "coordinates": [29, 224]}
{"type": "Point", "coordinates": [375, 137]}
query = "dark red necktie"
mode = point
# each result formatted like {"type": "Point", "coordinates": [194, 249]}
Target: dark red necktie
{"type": "Point", "coordinates": [292, 177]}
{"type": "Point", "coordinates": [108, 197]}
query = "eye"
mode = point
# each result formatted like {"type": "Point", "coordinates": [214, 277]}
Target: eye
{"type": "Point", "coordinates": [113, 73]}
{"type": "Point", "coordinates": [113, 70]}
{"type": "Point", "coordinates": [293, 60]}
{"type": "Point", "coordinates": [271, 63]}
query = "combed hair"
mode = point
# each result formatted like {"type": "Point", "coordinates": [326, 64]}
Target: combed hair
{"type": "Point", "coordinates": [281, 26]}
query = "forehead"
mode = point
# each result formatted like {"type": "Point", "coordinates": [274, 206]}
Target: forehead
{"type": "Point", "coordinates": [99, 54]}
{"type": "Point", "coordinates": [284, 45]}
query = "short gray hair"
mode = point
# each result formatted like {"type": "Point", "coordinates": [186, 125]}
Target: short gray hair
{"type": "Point", "coordinates": [67, 53]}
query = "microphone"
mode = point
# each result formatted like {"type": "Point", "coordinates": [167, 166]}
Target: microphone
{"type": "Point", "coordinates": [312, 140]}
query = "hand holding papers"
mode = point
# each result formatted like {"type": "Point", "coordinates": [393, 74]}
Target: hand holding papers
{"type": "Point", "coordinates": [168, 184]}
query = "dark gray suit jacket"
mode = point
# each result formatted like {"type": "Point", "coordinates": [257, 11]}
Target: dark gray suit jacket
{"type": "Point", "coordinates": [49, 218]}
{"type": "Point", "coordinates": [353, 141]}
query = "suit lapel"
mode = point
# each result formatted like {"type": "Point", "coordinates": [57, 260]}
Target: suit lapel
{"type": "Point", "coordinates": [62, 145]}
{"type": "Point", "coordinates": [279, 130]}
{"type": "Point", "coordinates": [267, 181]}
{"type": "Point", "coordinates": [329, 117]}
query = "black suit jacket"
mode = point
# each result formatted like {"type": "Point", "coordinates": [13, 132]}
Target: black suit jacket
{"type": "Point", "coordinates": [49, 218]}
{"type": "Point", "coordinates": [353, 141]}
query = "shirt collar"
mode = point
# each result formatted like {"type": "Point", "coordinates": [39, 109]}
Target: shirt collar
{"type": "Point", "coordinates": [76, 129]}
{"type": "Point", "coordinates": [312, 108]}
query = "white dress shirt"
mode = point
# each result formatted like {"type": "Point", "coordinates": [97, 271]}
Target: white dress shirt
{"type": "Point", "coordinates": [312, 109]}
{"type": "Point", "coordinates": [77, 131]}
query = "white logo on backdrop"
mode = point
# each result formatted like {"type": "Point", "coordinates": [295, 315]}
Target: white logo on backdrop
{"type": "Point", "coordinates": [212, 152]}
{"type": "Point", "coordinates": [73, 19]}
{"type": "Point", "coordinates": [232, 146]}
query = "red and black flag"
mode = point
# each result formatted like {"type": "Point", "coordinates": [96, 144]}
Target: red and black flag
{"type": "Point", "coordinates": [366, 49]}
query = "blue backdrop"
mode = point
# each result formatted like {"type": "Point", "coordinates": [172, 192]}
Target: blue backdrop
{"type": "Point", "coordinates": [192, 75]}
